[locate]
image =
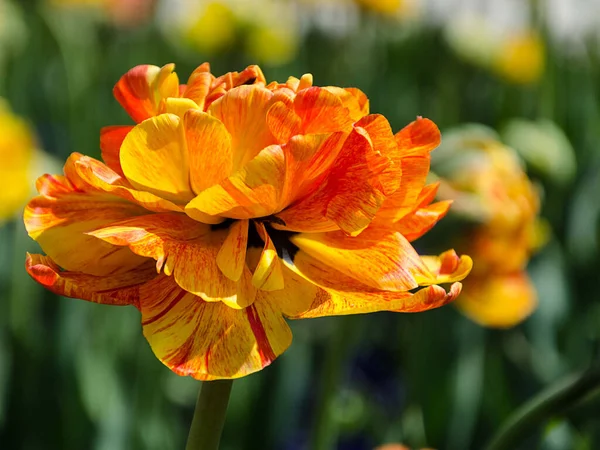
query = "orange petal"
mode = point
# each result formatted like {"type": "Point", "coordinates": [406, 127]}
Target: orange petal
{"type": "Point", "coordinates": [381, 259]}
{"type": "Point", "coordinates": [499, 301]}
{"type": "Point", "coordinates": [231, 258]}
{"type": "Point", "coordinates": [267, 275]}
{"type": "Point", "coordinates": [321, 111]}
{"type": "Point", "coordinates": [198, 86]}
{"type": "Point", "coordinates": [141, 90]}
{"type": "Point", "coordinates": [209, 341]}
{"type": "Point", "coordinates": [405, 199]}
{"type": "Point", "coordinates": [209, 149]}
{"type": "Point", "coordinates": [253, 191]}
{"type": "Point", "coordinates": [111, 139]}
{"type": "Point", "coordinates": [420, 221]}
{"type": "Point", "coordinates": [122, 289]}
{"type": "Point", "coordinates": [59, 223]}
{"type": "Point", "coordinates": [353, 191]}
{"type": "Point", "coordinates": [186, 249]}
{"type": "Point", "coordinates": [243, 110]}
{"type": "Point", "coordinates": [418, 137]}
{"type": "Point", "coordinates": [154, 158]}
{"type": "Point", "coordinates": [321, 290]}
{"type": "Point", "coordinates": [90, 175]}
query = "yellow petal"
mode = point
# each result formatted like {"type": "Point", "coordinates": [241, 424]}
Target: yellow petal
{"type": "Point", "coordinates": [445, 268]}
{"type": "Point", "coordinates": [209, 341]}
{"type": "Point", "coordinates": [253, 191]}
{"type": "Point", "coordinates": [154, 158]}
{"type": "Point", "coordinates": [231, 258]}
{"type": "Point", "coordinates": [267, 275]}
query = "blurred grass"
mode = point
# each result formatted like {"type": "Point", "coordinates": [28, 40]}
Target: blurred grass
{"type": "Point", "coordinates": [75, 375]}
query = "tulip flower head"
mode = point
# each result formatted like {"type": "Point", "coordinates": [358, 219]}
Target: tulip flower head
{"type": "Point", "coordinates": [233, 204]}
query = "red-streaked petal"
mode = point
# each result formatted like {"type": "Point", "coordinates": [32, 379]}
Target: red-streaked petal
{"type": "Point", "coordinates": [59, 223]}
{"type": "Point", "coordinates": [141, 90]}
{"type": "Point", "coordinates": [111, 139]}
{"type": "Point", "coordinates": [210, 341]}
{"type": "Point", "coordinates": [382, 259]}
{"type": "Point", "coordinates": [209, 150]}
{"type": "Point", "coordinates": [283, 122]}
{"type": "Point", "coordinates": [353, 99]}
{"type": "Point", "coordinates": [122, 289]}
{"type": "Point", "coordinates": [323, 291]}
{"type": "Point", "coordinates": [445, 268]}
{"type": "Point", "coordinates": [418, 138]}
{"type": "Point", "coordinates": [185, 249]}
{"type": "Point", "coordinates": [154, 158]}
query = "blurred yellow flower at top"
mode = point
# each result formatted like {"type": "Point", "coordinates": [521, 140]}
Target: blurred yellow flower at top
{"type": "Point", "coordinates": [381, 6]}
{"type": "Point", "coordinates": [214, 29]}
{"type": "Point", "coordinates": [490, 186]}
{"type": "Point", "coordinates": [232, 204]}
{"type": "Point", "coordinates": [273, 45]}
{"type": "Point", "coordinates": [16, 154]}
{"type": "Point", "coordinates": [521, 58]}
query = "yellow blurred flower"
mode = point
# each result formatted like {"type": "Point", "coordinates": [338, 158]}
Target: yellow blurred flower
{"type": "Point", "coordinates": [521, 58]}
{"type": "Point", "coordinates": [517, 55]}
{"type": "Point", "coordinates": [16, 153]}
{"type": "Point", "coordinates": [381, 6]}
{"type": "Point", "coordinates": [490, 186]}
{"type": "Point", "coordinates": [214, 29]}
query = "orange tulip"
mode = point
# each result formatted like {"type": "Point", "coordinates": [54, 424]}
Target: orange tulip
{"type": "Point", "coordinates": [233, 204]}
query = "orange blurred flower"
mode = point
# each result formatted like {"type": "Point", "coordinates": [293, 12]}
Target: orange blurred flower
{"type": "Point", "coordinates": [126, 13]}
{"type": "Point", "coordinates": [235, 203]}
{"type": "Point", "coordinates": [492, 187]}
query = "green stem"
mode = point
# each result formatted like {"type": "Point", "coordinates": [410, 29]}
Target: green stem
{"type": "Point", "coordinates": [209, 416]}
{"type": "Point", "coordinates": [325, 430]}
{"type": "Point", "coordinates": [553, 401]}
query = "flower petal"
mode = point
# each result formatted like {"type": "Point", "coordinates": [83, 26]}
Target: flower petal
{"type": "Point", "coordinates": [186, 249]}
{"type": "Point", "coordinates": [141, 90]}
{"type": "Point", "coordinates": [445, 268]}
{"type": "Point", "coordinates": [499, 301]}
{"type": "Point", "coordinates": [283, 122]}
{"type": "Point", "coordinates": [90, 175]}
{"type": "Point", "coordinates": [154, 158]}
{"type": "Point", "coordinates": [243, 110]}
{"type": "Point", "coordinates": [59, 223]}
{"type": "Point", "coordinates": [321, 111]}
{"type": "Point", "coordinates": [267, 275]}
{"type": "Point", "coordinates": [209, 149]}
{"type": "Point", "coordinates": [418, 137]}
{"type": "Point", "coordinates": [209, 341]}
{"type": "Point", "coordinates": [382, 259]}
{"type": "Point", "coordinates": [231, 258]}
{"type": "Point", "coordinates": [253, 191]}
{"type": "Point", "coordinates": [122, 289]}
{"type": "Point", "coordinates": [321, 290]}
{"type": "Point", "coordinates": [111, 139]}
{"type": "Point", "coordinates": [420, 221]}
{"type": "Point", "coordinates": [353, 99]}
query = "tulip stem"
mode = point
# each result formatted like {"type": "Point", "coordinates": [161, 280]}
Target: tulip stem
{"type": "Point", "coordinates": [551, 402]}
{"type": "Point", "coordinates": [209, 415]}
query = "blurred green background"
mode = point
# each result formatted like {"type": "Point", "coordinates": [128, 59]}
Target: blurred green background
{"type": "Point", "coordinates": [79, 376]}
